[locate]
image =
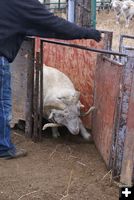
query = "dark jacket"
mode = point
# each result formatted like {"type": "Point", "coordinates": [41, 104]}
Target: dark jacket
{"type": "Point", "coordinates": [19, 18]}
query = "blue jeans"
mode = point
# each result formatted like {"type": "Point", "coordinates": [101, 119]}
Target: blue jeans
{"type": "Point", "coordinates": [6, 146]}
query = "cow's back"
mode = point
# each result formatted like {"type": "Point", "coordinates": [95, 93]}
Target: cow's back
{"type": "Point", "coordinates": [56, 84]}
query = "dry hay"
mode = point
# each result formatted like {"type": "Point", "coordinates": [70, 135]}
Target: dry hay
{"type": "Point", "coordinates": [106, 21]}
{"type": "Point", "coordinates": [56, 170]}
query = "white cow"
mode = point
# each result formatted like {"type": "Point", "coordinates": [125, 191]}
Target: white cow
{"type": "Point", "coordinates": [117, 6]}
{"type": "Point", "coordinates": [61, 104]}
{"type": "Point", "coordinates": [128, 11]}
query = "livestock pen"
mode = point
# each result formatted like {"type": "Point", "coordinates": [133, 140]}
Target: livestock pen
{"type": "Point", "coordinates": [98, 78]}
{"type": "Point", "coordinates": [69, 168]}
{"type": "Point", "coordinates": [109, 132]}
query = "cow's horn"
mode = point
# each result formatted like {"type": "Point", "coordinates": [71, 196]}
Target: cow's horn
{"type": "Point", "coordinates": [81, 105]}
{"type": "Point", "coordinates": [88, 112]}
{"type": "Point", "coordinates": [50, 125]}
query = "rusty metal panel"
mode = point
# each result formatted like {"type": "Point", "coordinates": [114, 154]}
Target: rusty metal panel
{"type": "Point", "coordinates": [78, 65]}
{"type": "Point", "coordinates": [106, 94]}
{"type": "Point", "coordinates": [121, 129]}
{"type": "Point", "coordinates": [21, 77]}
{"type": "Point", "coordinates": [128, 154]}
{"type": "Point", "coordinates": [124, 130]}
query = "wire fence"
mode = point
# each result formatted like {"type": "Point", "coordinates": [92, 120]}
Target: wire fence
{"type": "Point", "coordinates": [82, 12]}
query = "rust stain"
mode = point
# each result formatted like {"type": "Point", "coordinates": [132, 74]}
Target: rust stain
{"type": "Point", "coordinates": [107, 87]}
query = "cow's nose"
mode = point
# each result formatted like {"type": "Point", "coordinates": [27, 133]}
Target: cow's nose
{"type": "Point", "coordinates": [76, 131]}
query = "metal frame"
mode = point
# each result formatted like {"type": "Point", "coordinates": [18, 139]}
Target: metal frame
{"type": "Point", "coordinates": [38, 80]}
{"type": "Point", "coordinates": [127, 169]}
{"type": "Point", "coordinates": [36, 116]}
{"type": "Point", "coordinates": [103, 51]}
{"type": "Point", "coordinates": [29, 100]}
{"type": "Point", "coordinates": [23, 81]}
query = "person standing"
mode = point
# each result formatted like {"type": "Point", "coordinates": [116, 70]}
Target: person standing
{"type": "Point", "coordinates": [18, 19]}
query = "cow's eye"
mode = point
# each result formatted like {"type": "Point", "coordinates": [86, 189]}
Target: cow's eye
{"type": "Point", "coordinates": [62, 115]}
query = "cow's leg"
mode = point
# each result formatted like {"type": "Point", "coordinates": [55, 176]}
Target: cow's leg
{"type": "Point", "coordinates": [128, 18]}
{"type": "Point", "coordinates": [118, 17]}
{"type": "Point", "coordinates": [84, 132]}
{"type": "Point", "coordinates": [55, 132]}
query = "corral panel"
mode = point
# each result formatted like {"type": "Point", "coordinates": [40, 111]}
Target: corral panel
{"type": "Point", "coordinates": [128, 154]}
{"type": "Point", "coordinates": [106, 94]}
{"type": "Point", "coordinates": [21, 70]}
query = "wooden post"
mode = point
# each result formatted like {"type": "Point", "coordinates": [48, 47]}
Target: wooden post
{"type": "Point", "coordinates": [83, 13]}
{"type": "Point", "coordinates": [36, 98]}
{"type": "Point", "coordinates": [38, 93]}
{"type": "Point", "coordinates": [41, 91]}
{"type": "Point", "coordinates": [29, 97]}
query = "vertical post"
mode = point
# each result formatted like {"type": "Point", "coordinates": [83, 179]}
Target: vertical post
{"type": "Point", "coordinates": [93, 13]}
{"type": "Point", "coordinates": [83, 13]}
{"type": "Point", "coordinates": [41, 91]}
{"type": "Point", "coordinates": [127, 170]}
{"type": "Point", "coordinates": [71, 5]}
{"type": "Point", "coordinates": [36, 98]}
{"type": "Point", "coordinates": [29, 98]}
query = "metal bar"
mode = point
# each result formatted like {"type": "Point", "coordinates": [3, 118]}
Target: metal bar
{"type": "Point", "coordinates": [36, 97]}
{"type": "Point", "coordinates": [29, 98]}
{"type": "Point", "coordinates": [121, 40]}
{"type": "Point", "coordinates": [71, 5]}
{"type": "Point", "coordinates": [103, 51]}
{"type": "Point", "coordinates": [127, 36]}
{"type": "Point", "coordinates": [93, 13]}
{"type": "Point", "coordinates": [41, 92]}
{"type": "Point", "coordinates": [129, 48]}
{"type": "Point", "coordinates": [108, 36]}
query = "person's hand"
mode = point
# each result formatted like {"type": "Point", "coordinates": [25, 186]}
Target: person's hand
{"type": "Point", "coordinates": [94, 34]}
{"type": "Point", "coordinates": [97, 35]}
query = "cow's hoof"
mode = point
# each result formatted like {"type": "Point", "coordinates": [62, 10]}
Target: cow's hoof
{"type": "Point", "coordinates": [88, 137]}
{"type": "Point", "coordinates": [56, 135]}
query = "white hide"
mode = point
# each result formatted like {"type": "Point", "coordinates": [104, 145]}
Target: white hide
{"type": "Point", "coordinates": [128, 11]}
{"type": "Point", "coordinates": [52, 82]}
{"type": "Point", "coordinates": [59, 89]}
{"type": "Point", "coordinates": [117, 6]}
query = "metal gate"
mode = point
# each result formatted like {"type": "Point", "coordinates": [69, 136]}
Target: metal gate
{"type": "Point", "coordinates": [124, 145]}
{"type": "Point", "coordinates": [112, 91]}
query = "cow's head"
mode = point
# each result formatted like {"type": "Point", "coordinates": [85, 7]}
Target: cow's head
{"type": "Point", "coordinates": [115, 4]}
{"type": "Point", "coordinates": [68, 117]}
{"type": "Point", "coordinates": [126, 5]}
{"type": "Point", "coordinates": [65, 111]}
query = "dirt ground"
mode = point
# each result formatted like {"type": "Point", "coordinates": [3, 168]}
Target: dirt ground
{"type": "Point", "coordinates": [56, 169]}
{"type": "Point", "coordinates": [62, 169]}
{"type": "Point", "coordinates": [106, 21]}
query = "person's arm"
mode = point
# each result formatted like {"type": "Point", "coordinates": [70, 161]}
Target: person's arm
{"type": "Point", "coordinates": [36, 17]}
